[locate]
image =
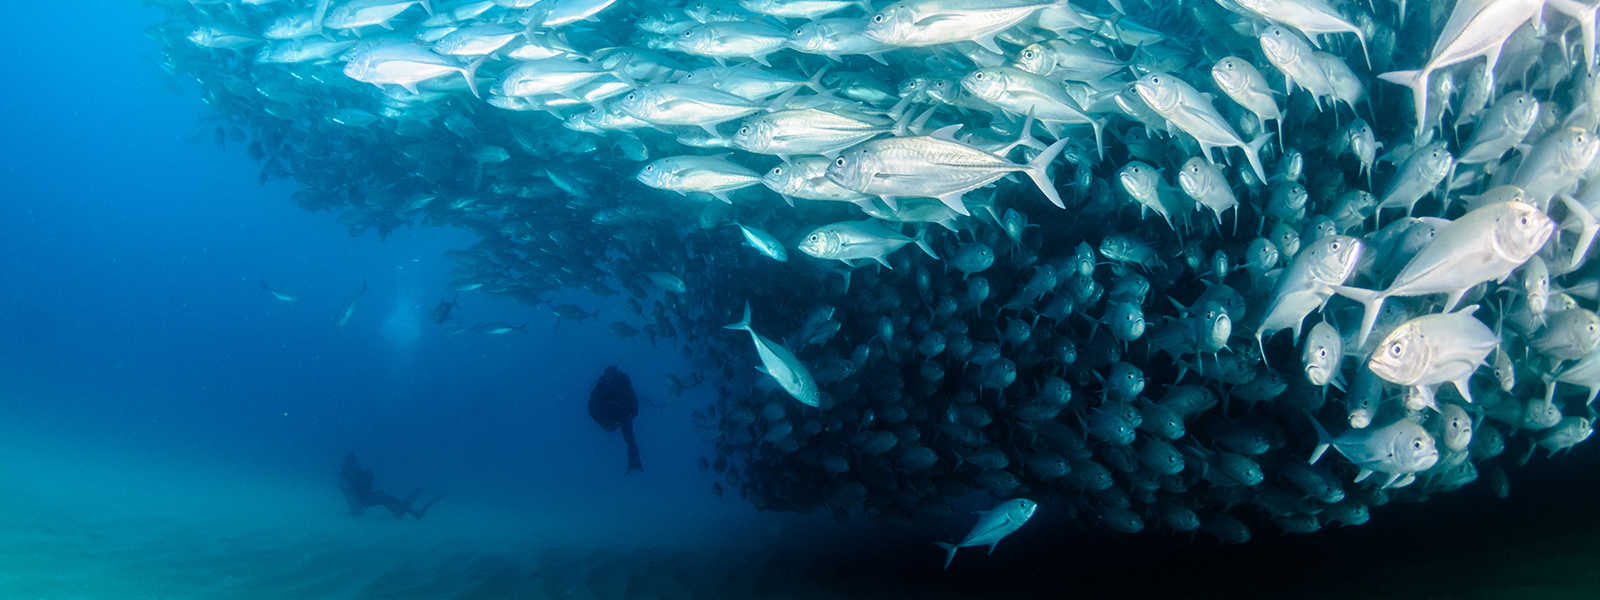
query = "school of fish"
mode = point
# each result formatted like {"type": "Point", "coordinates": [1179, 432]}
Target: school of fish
{"type": "Point", "coordinates": [1167, 253]}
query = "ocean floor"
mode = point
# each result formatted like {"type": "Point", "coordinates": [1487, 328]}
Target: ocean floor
{"type": "Point", "coordinates": [99, 520]}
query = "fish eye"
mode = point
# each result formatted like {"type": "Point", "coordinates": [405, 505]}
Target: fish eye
{"type": "Point", "coordinates": [838, 162]}
{"type": "Point", "coordinates": [744, 130]}
{"type": "Point", "coordinates": [649, 167]}
{"type": "Point", "coordinates": [1335, 246]}
{"type": "Point", "coordinates": [632, 97]}
{"type": "Point", "coordinates": [1417, 444]}
{"type": "Point", "coordinates": [1395, 349]}
{"type": "Point", "coordinates": [878, 18]}
{"type": "Point", "coordinates": [777, 170]}
{"type": "Point", "coordinates": [1028, 53]}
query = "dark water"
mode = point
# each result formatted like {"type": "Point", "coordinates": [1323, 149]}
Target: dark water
{"type": "Point", "coordinates": [168, 430]}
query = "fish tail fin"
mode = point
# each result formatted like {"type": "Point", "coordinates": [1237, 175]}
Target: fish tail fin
{"type": "Point", "coordinates": [1099, 136]}
{"type": "Point", "coordinates": [922, 242]}
{"type": "Point", "coordinates": [1585, 15]}
{"type": "Point", "coordinates": [1418, 82]}
{"type": "Point", "coordinates": [1362, 37]}
{"type": "Point", "coordinates": [950, 550]}
{"type": "Point", "coordinates": [1323, 439]}
{"type": "Point", "coordinates": [1062, 19]}
{"type": "Point", "coordinates": [1591, 225]}
{"type": "Point", "coordinates": [783, 99]}
{"type": "Point", "coordinates": [815, 82]}
{"type": "Point", "coordinates": [1252, 151]}
{"type": "Point", "coordinates": [743, 324]}
{"type": "Point", "coordinates": [471, 73]}
{"type": "Point", "coordinates": [319, 14]}
{"type": "Point", "coordinates": [1374, 303]}
{"type": "Point", "coordinates": [1039, 170]}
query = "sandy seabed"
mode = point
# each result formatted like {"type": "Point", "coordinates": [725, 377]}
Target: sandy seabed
{"type": "Point", "coordinates": [92, 523]}
{"type": "Point", "coordinates": [103, 522]}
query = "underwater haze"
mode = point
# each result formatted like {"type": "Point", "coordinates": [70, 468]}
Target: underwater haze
{"type": "Point", "coordinates": [224, 275]}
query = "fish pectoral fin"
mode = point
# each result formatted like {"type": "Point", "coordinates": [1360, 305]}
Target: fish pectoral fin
{"type": "Point", "coordinates": [953, 201]}
{"type": "Point", "coordinates": [1363, 475]}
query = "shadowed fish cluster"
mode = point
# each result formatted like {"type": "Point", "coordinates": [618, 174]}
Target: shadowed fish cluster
{"type": "Point", "coordinates": [1083, 327]}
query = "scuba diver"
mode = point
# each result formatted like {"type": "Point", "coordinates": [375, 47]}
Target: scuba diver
{"type": "Point", "coordinates": [612, 404]}
{"type": "Point", "coordinates": [356, 483]}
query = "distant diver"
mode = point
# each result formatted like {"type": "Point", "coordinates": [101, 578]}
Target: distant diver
{"type": "Point", "coordinates": [356, 483]}
{"type": "Point", "coordinates": [613, 404]}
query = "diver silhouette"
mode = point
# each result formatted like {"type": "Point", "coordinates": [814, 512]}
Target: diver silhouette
{"type": "Point", "coordinates": [356, 483]}
{"type": "Point", "coordinates": [613, 404]}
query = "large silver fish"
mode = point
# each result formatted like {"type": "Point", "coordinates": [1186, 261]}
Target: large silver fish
{"type": "Point", "coordinates": [918, 23]}
{"type": "Point", "coordinates": [1434, 349]}
{"type": "Point", "coordinates": [1397, 449]}
{"type": "Point", "coordinates": [1308, 283]}
{"type": "Point", "coordinates": [1556, 163]}
{"type": "Point", "coordinates": [1483, 245]}
{"type": "Point", "coordinates": [1189, 110]}
{"type": "Point", "coordinates": [406, 65]}
{"type": "Point", "coordinates": [934, 166]}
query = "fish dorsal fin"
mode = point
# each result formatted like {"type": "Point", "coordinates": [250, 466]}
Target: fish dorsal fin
{"type": "Point", "coordinates": [946, 133]}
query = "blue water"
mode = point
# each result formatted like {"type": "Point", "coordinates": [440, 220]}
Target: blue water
{"type": "Point", "coordinates": [167, 429]}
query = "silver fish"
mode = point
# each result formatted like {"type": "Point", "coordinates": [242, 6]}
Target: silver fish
{"type": "Point", "coordinates": [1298, 63]}
{"type": "Point", "coordinates": [1397, 449]}
{"type": "Point", "coordinates": [714, 175]}
{"type": "Point", "coordinates": [1021, 93]}
{"type": "Point", "coordinates": [1420, 174]}
{"type": "Point", "coordinates": [1323, 354]}
{"type": "Point", "coordinates": [1245, 85]}
{"type": "Point", "coordinates": [781, 365]}
{"type": "Point", "coordinates": [1568, 335]}
{"type": "Point", "coordinates": [1484, 244]}
{"type": "Point", "coordinates": [850, 241]}
{"type": "Point", "coordinates": [918, 23]}
{"type": "Point", "coordinates": [1556, 163]}
{"type": "Point", "coordinates": [934, 166]}
{"type": "Point", "coordinates": [406, 65]}
{"type": "Point", "coordinates": [1475, 28]}
{"type": "Point", "coordinates": [1206, 184]}
{"type": "Point", "coordinates": [763, 242]}
{"type": "Point", "coordinates": [1190, 111]}
{"type": "Point", "coordinates": [806, 177]}
{"type": "Point", "coordinates": [1308, 283]}
{"type": "Point", "coordinates": [1434, 349]}
{"type": "Point", "coordinates": [993, 525]}
{"type": "Point", "coordinates": [1502, 128]}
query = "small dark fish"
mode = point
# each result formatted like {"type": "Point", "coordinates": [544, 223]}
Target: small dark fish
{"type": "Point", "coordinates": [441, 311]}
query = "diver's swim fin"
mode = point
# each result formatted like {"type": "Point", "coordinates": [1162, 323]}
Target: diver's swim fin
{"type": "Point", "coordinates": [425, 507]}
